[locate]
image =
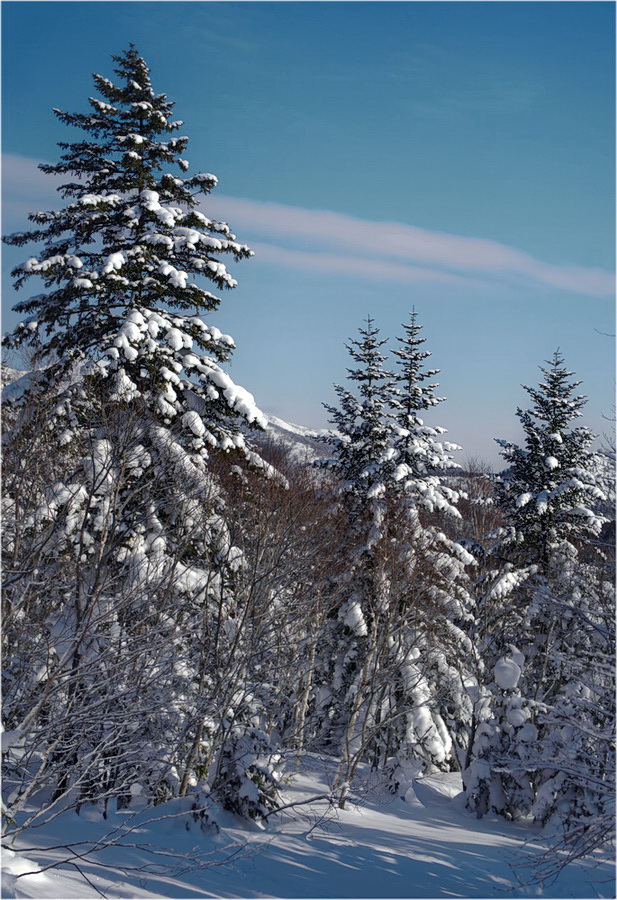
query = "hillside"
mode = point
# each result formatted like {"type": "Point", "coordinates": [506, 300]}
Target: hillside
{"type": "Point", "coordinates": [300, 443]}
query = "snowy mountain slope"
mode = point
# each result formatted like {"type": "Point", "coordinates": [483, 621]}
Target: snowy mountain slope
{"type": "Point", "coordinates": [426, 846]}
{"type": "Point", "coordinates": [299, 442]}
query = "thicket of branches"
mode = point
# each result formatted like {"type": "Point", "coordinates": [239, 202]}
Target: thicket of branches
{"type": "Point", "coordinates": [184, 613]}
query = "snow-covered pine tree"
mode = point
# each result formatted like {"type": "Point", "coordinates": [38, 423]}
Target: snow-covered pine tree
{"type": "Point", "coordinates": [359, 463]}
{"type": "Point", "coordinates": [547, 496]}
{"type": "Point", "coordinates": [421, 458]}
{"type": "Point", "coordinates": [390, 671]}
{"type": "Point", "coordinates": [434, 708]}
{"type": "Point", "coordinates": [121, 264]}
{"type": "Point", "coordinates": [360, 442]}
{"type": "Point", "coordinates": [126, 535]}
{"type": "Point", "coordinates": [538, 594]}
{"type": "Point", "coordinates": [549, 488]}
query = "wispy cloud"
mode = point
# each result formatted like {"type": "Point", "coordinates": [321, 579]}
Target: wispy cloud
{"type": "Point", "coordinates": [322, 240]}
{"type": "Point", "coordinates": [354, 266]}
{"type": "Point", "coordinates": [419, 253]}
{"type": "Point", "coordinates": [25, 189]}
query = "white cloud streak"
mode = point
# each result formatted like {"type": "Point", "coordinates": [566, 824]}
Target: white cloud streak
{"type": "Point", "coordinates": [357, 267]}
{"type": "Point", "coordinates": [25, 189]}
{"type": "Point", "coordinates": [325, 241]}
{"type": "Point", "coordinates": [426, 254]}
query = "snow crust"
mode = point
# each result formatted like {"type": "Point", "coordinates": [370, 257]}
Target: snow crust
{"type": "Point", "coordinates": [423, 846]}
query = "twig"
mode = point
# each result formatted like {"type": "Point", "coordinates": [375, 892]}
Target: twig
{"type": "Point", "coordinates": [329, 797]}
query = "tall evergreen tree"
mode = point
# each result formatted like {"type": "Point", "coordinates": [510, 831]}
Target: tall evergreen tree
{"type": "Point", "coordinates": [434, 566]}
{"type": "Point", "coordinates": [121, 264]}
{"type": "Point", "coordinates": [393, 652]}
{"type": "Point", "coordinates": [549, 489]}
{"type": "Point", "coordinates": [542, 607]}
{"type": "Point", "coordinates": [421, 458]}
{"type": "Point", "coordinates": [360, 443]}
{"type": "Point", "coordinates": [124, 526]}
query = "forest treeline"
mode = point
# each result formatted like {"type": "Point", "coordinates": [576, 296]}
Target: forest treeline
{"type": "Point", "coordinates": [186, 609]}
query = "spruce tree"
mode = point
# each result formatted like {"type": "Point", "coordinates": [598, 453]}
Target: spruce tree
{"type": "Point", "coordinates": [548, 490]}
{"type": "Point", "coordinates": [122, 264]}
{"type": "Point", "coordinates": [393, 653]}
{"type": "Point", "coordinates": [118, 547]}
{"type": "Point", "coordinates": [360, 443]}
{"type": "Point", "coordinates": [421, 459]}
{"type": "Point", "coordinates": [433, 564]}
{"type": "Point", "coordinates": [543, 595]}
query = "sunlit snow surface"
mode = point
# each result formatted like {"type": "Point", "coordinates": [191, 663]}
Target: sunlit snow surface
{"type": "Point", "coordinates": [300, 443]}
{"type": "Point", "coordinates": [380, 846]}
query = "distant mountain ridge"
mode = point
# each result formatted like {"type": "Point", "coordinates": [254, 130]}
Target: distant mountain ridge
{"type": "Point", "coordinates": [300, 443]}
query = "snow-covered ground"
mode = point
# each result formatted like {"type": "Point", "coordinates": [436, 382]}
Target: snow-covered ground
{"type": "Point", "coordinates": [424, 846]}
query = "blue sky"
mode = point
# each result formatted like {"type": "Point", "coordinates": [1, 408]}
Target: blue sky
{"type": "Point", "coordinates": [456, 157]}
